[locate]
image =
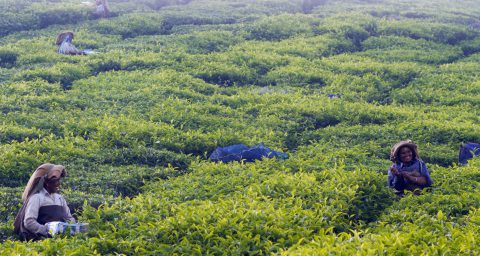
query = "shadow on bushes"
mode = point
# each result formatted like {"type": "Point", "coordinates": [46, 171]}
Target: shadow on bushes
{"type": "Point", "coordinates": [8, 58]}
{"type": "Point", "coordinates": [98, 67]}
{"type": "Point", "coordinates": [146, 156]}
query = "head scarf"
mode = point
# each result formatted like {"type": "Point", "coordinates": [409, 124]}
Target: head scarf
{"type": "Point", "coordinates": [44, 171]}
{"type": "Point", "coordinates": [102, 9]}
{"type": "Point", "coordinates": [61, 37]}
{"type": "Point", "coordinates": [404, 143]}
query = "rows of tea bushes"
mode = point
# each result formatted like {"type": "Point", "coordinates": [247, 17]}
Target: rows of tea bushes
{"type": "Point", "coordinates": [444, 221]}
{"type": "Point", "coordinates": [332, 83]}
{"type": "Point", "coordinates": [157, 16]}
{"type": "Point", "coordinates": [38, 14]}
{"type": "Point", "coordinates": [240, 208]}
{"type": "Point", "coordinates": [233, 208]}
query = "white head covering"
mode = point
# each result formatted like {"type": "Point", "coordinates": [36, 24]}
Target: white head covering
{"type": "Point", "coordinates": [61, 37]}
{"type": "Point", "coordinates": [44, 171]}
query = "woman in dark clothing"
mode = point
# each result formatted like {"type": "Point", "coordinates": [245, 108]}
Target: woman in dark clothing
{"type": "Point", "coordinates": [408, 171]}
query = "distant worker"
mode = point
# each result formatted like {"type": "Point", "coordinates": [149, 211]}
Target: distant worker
{"type": "Point", "coordinates": [101, 10]}
{"type": "Point", "coordinates": [42, 203]}
{"type": "Point", "coordinates": [65, 46]}
{"type": "Point", "coordinates": [408, 170]}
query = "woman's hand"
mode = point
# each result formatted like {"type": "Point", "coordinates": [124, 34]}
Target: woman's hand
{"type": "Point", "coordinates": [406, 175]}
{"type": "Point", "coordinates": [395, 171]}
{"type": "Point", "coordinates": [419, 180]}
{"type": "Point", "coordinates": [44, 232]}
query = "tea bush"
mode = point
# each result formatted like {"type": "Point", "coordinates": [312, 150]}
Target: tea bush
{"type": "Point", "coordinates": [8, 58]}
{"type": "Point", "coordinates": [64, 74]}
{"type": "Point", "coordinates": [445, 34]}
{"type": "Point", "coordinates": [207, 42]}
{"type": "Point", "coordinates": [26, 15]}
{"type": "Point", "coordinates": [59, 14]}
{"type": "Point", "coordinates": [402, 49]}
{"type": "Point", "coordinates": [279, 27]}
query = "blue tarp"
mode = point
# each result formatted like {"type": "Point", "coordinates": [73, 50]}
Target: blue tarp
{"type": "Point", "coordinates": [467, 151]}
{"type": "Point", "coordinates": [241, 152]}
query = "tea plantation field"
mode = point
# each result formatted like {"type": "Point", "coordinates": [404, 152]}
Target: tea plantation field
{"type": "Point", "coordinates": [333, 83]}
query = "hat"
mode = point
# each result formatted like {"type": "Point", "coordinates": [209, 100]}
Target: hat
{"type": "Point", "coordinates": [399, 145]}
{"type": "Point", "coordinates": [44, 171]}
{"type": "Point", "coordinates": [62, 36]}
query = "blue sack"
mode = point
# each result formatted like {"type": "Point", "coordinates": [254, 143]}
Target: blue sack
{"type": "Point", "coordinates": [228, 154]}
{"type": "Point", "coordinates": [241, 152]}
{"type": "Point", "coordinates": [467, 151]}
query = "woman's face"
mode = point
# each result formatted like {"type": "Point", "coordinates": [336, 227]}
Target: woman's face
{"type": "Point", "coordinates": [52, 185]}
{"type": "Point", "coordinates": [406, 155]}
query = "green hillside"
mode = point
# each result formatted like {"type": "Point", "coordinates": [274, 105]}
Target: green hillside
{"type": "Point", "coordinates": [171, 80]}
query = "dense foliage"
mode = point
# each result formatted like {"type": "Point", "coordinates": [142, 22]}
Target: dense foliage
{"type": "Point", "coordinates": [333, 83]}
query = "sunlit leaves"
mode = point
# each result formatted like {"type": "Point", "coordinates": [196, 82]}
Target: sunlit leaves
{"type": "Point", "coordinates": [172, 80]}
